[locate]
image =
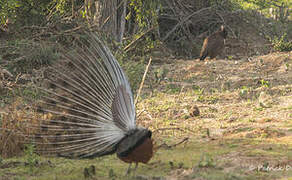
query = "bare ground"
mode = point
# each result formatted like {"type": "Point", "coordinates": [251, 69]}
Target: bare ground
{"type": "Point", "coordinates": [244, 103]}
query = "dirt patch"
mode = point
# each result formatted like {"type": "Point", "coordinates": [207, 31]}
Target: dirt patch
{"type": "Point", "coordinates": [268, 70]}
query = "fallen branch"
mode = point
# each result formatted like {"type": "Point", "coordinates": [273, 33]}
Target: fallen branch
{"type": "Point", "coordinates": [164, 145]}
{"type": "Point", "coordinates": [174, 128]}
{"type": "Point", "coordinates": [73, 29]}
{"type": "Point", "coordinates": [164, 129]}
{"type": "Point", "coordinates": [33, 27]}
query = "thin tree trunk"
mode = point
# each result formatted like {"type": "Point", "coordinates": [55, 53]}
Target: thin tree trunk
{"type": "Point", "coordinates": [72, 6]}
{"type": "Point", "coordinates": [108, 15]}
{"type": "Point", "coordinates": [121, 19]}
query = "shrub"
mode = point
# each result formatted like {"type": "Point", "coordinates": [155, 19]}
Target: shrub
{"type": "Point", "coordinates": [281, 44]}
{"type": "Point", "coordinates": [134, 71]}
{"type": "Point", "coordinates": [31, 55]}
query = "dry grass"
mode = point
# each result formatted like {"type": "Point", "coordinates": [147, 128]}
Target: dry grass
{"type": "Point", "coordinates": [15, 123]}
{"type": "Point", "coordinates": [227, 111]}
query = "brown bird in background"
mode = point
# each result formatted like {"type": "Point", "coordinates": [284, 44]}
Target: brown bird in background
{"type": "Point", "coordinates": [214, 44]}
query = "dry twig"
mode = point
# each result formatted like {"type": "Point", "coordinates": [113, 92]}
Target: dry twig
{"type": "Point", "coordinates": [134, 41]}
{"type": "Point", "coordinates": [172, 145]}
{"type": "Point", "coordinates": [142, 82]}
{"type": "Point", "coordinates": [183, 21]}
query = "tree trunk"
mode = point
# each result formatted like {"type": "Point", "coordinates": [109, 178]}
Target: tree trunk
{"type": "Point", "coordinates": [121, 20]}
{"type": "Point", "coordinates": [108, 16]}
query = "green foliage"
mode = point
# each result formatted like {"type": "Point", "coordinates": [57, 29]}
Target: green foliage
{"type": "Point", "coordinates": [23, 11]}
{"type": "Point", "coordinates": [261, 4]}
{"type": "Point", "coordinates": [32, 11]}
{"type": "Point", "coordinates": [243, 91]}
{"type": "Point", "coordinates": [230, 57]}
{"type": "Point", "coordinates": [62, 6]}
{"type": "Point", "coordinates": [204, 98]}
{"type": "Point", "coordinates": [269, 8]}
{"type": "Point", "coordinates": [134, 71]}
{"type": "Point", "coordinates": [111, 174]}
{"type": "Point", "coordinates": [206, 161]}
{"type": "Point", "coordinates": [173, 88]}
{"type": "Point", "coordinates": [7, 9]}
{"type": "Point", "coordinates": [160, 74]}
{"type": "Point", "coordinates": [32, 159]}
{"type": "Point", "coordinates": [145, 12]}
{"type": "Point", "coordinates": [28, 92]}
{"type": "Point", "coordinates": [31, 55]}
{"type": "Point", "coordinates": [282, 44]}
{"type": "Point", "coordinates": [1, 115]}
{"type": "Point", "coordinates": [264, 83]}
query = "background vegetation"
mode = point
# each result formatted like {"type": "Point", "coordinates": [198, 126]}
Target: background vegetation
{"type": "Point", "coordinates": [228, 92]}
